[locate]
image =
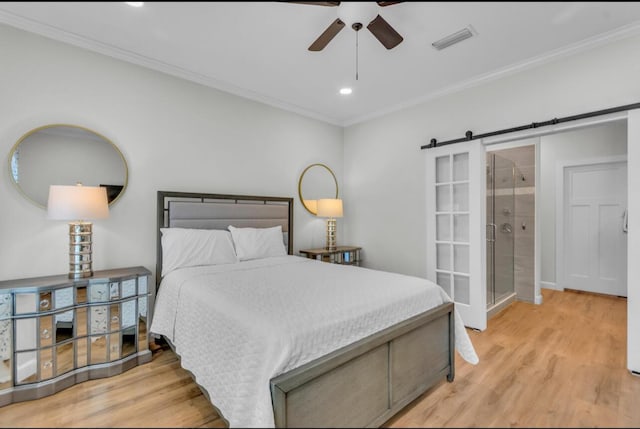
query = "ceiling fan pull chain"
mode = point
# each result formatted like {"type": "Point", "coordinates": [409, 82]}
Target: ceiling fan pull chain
{"type": "Point", "coordinates": [357, 55]}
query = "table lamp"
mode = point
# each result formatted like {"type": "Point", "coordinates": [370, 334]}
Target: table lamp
{"type": "Point", "coordinates": [330, 208]}
{"type": "Point", "coordinates": [78, 204]}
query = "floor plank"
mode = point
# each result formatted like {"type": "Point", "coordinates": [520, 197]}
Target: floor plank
{"type": "Point", "coordinates": [559, 364]}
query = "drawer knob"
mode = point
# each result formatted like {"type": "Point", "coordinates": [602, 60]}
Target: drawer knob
{"type": "Point", "coordinates": [44, 303]}
{"type": "Point", "coordinates": [45, 333]}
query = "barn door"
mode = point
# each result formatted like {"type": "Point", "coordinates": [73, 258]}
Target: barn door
{"type": "Point", "coordinates": [455, 227]}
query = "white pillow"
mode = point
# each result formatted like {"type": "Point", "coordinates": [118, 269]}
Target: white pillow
{"type": "Point", "coordinates": [255, 243]}
{"type": "Point", "coordinates": [186, 247]}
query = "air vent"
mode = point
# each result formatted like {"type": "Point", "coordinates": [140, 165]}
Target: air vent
{"type": "Point", "coordinates": [452, 39]}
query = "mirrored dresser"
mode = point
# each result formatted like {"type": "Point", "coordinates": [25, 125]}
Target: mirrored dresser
{"type": "Point", "coordinates": [56, 332]}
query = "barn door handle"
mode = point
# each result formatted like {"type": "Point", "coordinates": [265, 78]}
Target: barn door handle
{"type": "Point", "coordinates": [491, 232]}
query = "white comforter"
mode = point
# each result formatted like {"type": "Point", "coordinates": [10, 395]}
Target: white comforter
{"type": "Point", "coordinates": [236, 326]}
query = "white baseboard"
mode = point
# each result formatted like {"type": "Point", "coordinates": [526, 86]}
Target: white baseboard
{"type": "Point", "coordinates": [546, 285]}
{"type": "Point", "coordinates": [550, 285]}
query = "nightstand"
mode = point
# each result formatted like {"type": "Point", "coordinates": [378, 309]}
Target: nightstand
{"type": "Point", "coordinates": [56, 332]}
{"type": "Point", "coordinates": [345, 255]}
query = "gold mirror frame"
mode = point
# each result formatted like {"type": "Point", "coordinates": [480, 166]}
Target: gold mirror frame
{"type": "Point", "coordinates": [35, 130]}
{"type": "Point", "coordinates": [302, 199]}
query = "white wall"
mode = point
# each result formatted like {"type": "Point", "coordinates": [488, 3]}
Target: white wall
{"type": "Point", "coordinates": [384, 178]}
{"type": "Point", "coordinates": [175, 135]}
{"type": "Point", "coordinates": [633, 243]}
{"type": "Point", "coordinates": [593, 142]}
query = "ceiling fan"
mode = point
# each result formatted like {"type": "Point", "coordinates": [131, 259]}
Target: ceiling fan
{"type": "Point", "coordinates": [356, 14]}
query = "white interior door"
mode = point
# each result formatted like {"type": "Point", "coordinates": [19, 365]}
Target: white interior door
{"type": "Point", "coordinates": [455, 227]}
{"type": "Point", "coordinates": [595, 212]}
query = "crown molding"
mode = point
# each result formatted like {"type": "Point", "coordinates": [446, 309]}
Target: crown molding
{"type": "Point", "coordinates": [141, 60]}
{"type": "Point", "coordinates": [567, 51]}
{"type": "Point", "coordinates": [70, 38]}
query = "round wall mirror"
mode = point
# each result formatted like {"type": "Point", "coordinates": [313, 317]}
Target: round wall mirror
{"type": "Point", "coordinates": [317, 181]}
{"type": "Point", "coordinates": [66, 155]}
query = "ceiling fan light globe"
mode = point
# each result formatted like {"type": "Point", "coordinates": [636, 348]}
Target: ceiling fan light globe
{"type": "Point", "coordinates": [351, 12]}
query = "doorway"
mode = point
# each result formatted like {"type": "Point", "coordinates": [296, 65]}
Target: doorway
{"type": "Point", "coordinates": [546, 271]}
{"type": "Point", "coordinates": [500, 231]}
{"type": "Point", "coordinates": [595, 228]}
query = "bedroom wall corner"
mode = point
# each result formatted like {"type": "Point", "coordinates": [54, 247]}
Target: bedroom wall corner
{"type": "Point", "coordinates": [176, 135]}
{"type": "Point", "coordinates": [383, 161]}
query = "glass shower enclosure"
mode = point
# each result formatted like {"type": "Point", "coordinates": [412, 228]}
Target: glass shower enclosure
{"type": "Point", "coordinates": [500, 230]}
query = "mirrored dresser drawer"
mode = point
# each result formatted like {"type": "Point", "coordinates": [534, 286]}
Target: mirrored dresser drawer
{"type": "Point", "coordinates": [56, 332]}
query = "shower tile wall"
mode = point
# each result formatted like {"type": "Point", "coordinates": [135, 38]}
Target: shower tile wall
{"type": "Point", "coordinates": [504, 216]}
{"type": "Point", "coordinates": [524, 160]}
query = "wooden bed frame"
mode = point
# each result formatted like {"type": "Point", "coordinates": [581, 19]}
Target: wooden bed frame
{"type": "Point", "coordinates": [362, 384]}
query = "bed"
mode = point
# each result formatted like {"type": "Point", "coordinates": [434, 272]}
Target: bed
{"type": "Point", "coordinates": [287, 341]}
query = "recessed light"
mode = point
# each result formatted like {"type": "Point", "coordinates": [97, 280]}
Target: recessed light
{"type": "Point", "coordinates": [135, 3]}
{"type": "Point", "coordinates": [345, 91]}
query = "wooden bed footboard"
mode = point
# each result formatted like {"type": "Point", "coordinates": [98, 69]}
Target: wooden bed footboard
{"type": "Point", "coordinates": [367, 382]}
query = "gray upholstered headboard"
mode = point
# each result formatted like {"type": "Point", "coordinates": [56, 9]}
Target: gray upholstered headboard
{"type": "Point", "coordinates": [218, 211]}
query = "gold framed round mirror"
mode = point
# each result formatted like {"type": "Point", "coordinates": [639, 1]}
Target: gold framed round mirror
{"type": "Point", "coordinates": [317, 181]}
{"type": "Point", "coordinates": [63, 154]}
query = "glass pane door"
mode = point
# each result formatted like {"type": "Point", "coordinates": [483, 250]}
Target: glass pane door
{"type": "Point", "coordinates": [455, 227]}
{"type": "Point", "coordinates": [452, 225]}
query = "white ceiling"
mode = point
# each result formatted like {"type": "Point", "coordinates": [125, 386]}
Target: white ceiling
{"type": "Point", "coordinates": [259, 50]}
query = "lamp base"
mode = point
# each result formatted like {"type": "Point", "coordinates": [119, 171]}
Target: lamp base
{"type": "Point", "coordinates": [80, 238]}
{"type": "Point", "coordinates": [331, 234]}
{"type": "Point", "coordinates": [80, 275]}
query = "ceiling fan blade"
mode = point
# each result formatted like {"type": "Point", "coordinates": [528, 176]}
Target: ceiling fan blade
{"type": "Point", "coordinates": [384, 32]}
{"type": "Point", "coordinates": [387, 3]}
{"type": "Point", "coordinates": [328, 34]}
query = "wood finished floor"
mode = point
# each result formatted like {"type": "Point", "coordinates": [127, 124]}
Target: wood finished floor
{"type": "Point", "coordinates": [559, 364]}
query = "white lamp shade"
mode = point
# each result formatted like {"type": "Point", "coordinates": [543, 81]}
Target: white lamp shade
{"type": "Point", "coordinates": [77, 202]}
{"type": "Point", "coordinates": [330, 207]}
